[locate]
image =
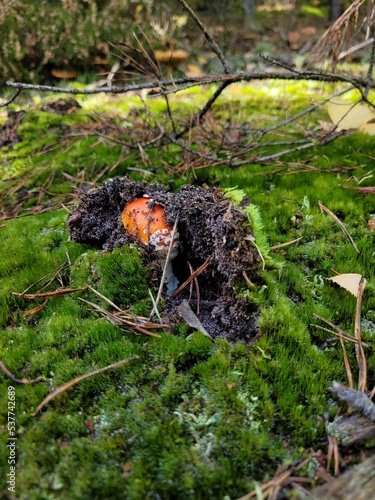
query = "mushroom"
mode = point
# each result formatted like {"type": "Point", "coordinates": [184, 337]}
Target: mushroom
{"type": "Point", "coordinates": [145, 221]}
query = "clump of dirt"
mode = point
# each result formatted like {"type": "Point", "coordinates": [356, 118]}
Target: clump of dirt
{"type": "Point", "coordinates": [212, 231]}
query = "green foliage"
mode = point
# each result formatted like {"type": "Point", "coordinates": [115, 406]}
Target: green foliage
{"type": "Point", "coordinates": [64, 33]}
{"type": "Point", "coordinates": [255, 226]}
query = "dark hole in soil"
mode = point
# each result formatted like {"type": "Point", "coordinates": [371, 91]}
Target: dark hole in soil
{"type": "Point", "coordinates": [211, 230]}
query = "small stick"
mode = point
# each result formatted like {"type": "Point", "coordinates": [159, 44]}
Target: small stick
{"type": "Point", "coordinates": [196, 273]}
{"type": "Point", "coordinates": [55, 293]}
{"type": "Point", "coordinates": [19, 380]}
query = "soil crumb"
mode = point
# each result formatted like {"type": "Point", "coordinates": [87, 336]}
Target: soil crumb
{"type": "Point", "coordinates": [211, 230]}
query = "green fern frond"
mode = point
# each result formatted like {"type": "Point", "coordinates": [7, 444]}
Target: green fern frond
{"type": "Point", "coordinates": [255, 219]}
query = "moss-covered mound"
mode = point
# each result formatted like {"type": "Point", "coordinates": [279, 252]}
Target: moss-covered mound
{"type": "Point", "coordinates": [190, 417]}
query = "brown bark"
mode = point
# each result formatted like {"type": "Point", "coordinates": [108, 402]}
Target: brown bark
{"type": "Point", "coordinates": [358, 483]}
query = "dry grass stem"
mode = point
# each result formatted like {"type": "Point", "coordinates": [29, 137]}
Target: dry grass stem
{"type": "Point", "coordinates": [338, 221]}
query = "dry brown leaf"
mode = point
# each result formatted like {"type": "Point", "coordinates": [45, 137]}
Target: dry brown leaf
{"type": "Point", "coordinates": [308, 30]}
{"type": "Point", "coordinates": [346, 115]}
{"type": "Point", "coordinates": [64, 74]}
{"type": "Point", "coordinates": [293, 36]}
{"type": "Point", "coordinates": [127, 468]}
{"type": "Point", "coordinates": [186, 313]}
{"type": "Point", "coordinates": [173, 57]}
{"type": "Point", "coordinates": [349, 281]}
{"type": "Point", "coordinates": [371, 224]}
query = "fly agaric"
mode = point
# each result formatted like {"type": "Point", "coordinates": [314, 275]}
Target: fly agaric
{"type": "Point", "coordinates": [145, 221]}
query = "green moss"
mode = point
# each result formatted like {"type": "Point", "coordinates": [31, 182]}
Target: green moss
{"type": "Point", "coordinates": [189, 418]}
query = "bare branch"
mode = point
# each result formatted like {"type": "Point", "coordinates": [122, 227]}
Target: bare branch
{"type": "Point", "coordinates": [317, 76]}
{"type": "Point", "coordinates": [213, 45]}
{"type": "Point", "coordinates": [371, 65]}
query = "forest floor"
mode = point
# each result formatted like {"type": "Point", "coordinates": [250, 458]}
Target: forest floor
{"type": "Point", "coordinates": [179, 415]}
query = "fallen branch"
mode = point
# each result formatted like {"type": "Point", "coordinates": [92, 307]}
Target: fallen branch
{"type": "Point", "coordinates": [357, 82]}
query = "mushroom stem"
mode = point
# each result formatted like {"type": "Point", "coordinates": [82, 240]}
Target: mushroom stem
{"type": "Point", "coordinates": [167, 275]}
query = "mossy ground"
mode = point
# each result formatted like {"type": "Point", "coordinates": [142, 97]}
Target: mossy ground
{"type": "Point", "coordinates": [189, 418]}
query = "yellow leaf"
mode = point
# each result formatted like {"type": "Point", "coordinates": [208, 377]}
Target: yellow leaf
{"type": "Point", "coordinates": [369, 128]}
{"type": "Point", "coordinates": [202, 60]}
{"type": "Point", "coordinates": [347, 115]}
{"type": "Point", "coordinates": [349, 281]}
{"type": "Point", "coordinates": [171, 56]}
{"type": "Point", "coordinates": [63, 73]}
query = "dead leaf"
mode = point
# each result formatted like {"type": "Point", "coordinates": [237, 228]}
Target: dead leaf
{"type": "Point", "coordinates": [308, 30]}
{"type": "Point", "coordinates": [101, 61]}
{"type": "Point", "coordinates": [293, 36]}
{"type": "Point", "coordinates": [187, 314]}
{"type": "Point", "coordinates": [346, 115]}
{"type": "Point", "coordinates": [349, 281]}
{"type": "Point", "coordinates": [202, 60]}
{"type": "Point", "coordinates": [173, 57]}
{"type": "Point", "coordinates": [194, 70]}
{"type": "Point", "coordinates": [369, 128]}
{"type": "Point", "coordinates": [64, 74]}
{"type": "Point", "coordinates": [127, 468]}
{"type": "Point", "coordinates": [371, 224]}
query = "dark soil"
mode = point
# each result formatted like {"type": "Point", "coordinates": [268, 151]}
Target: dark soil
{"type": "Point", "coordinates": [209, 227]}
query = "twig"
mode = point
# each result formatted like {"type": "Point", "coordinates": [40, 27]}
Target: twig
{"type": "Point", "coordinates": [196, 273]}
{"type": "Point", "coordinates": [371, 65]}
{"type": "Point", "coordinates": [204, 110]}
{"type": "Point", "coordinates": [123, 318]}
{"type": "Point", "coordinates": [359, 46]}
{"type": "Point", "coordinates": [18, 380]}
{"type": "Point", "coordinates": [55, 293]}
{"type": "Point", "coordinates": [342, 335]}
{"type": "Point", "coordinates": [318, 76]}
{"type": "Point", "coordinates": [211, 42]}
{"type": "Point", "coordinates": [11, 99]}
